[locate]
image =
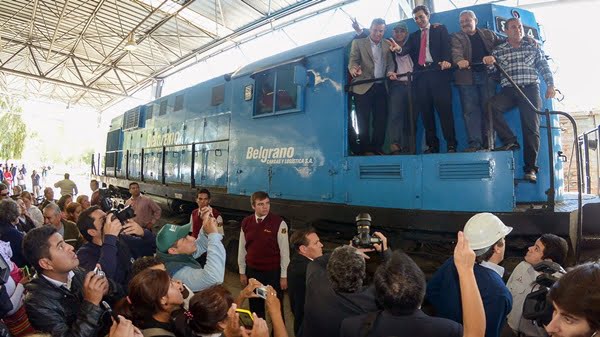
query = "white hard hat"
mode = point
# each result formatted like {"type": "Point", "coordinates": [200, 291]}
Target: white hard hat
{"type": "Point", "coordinates": [485, 229]}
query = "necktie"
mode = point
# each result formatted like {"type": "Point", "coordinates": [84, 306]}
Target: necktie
{"type": "Point", "coordinates": [259, 220]}
{"type": "Point", "coordinates": [423, 49]}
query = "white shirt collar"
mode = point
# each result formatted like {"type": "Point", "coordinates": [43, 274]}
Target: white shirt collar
{"type": "Point", "coordinates": [259, 217]}
{"type": "Point", "coordinates": [373, 42]}
{"type": "Point", "coordinates": [498, 269]}
{"type": "Point", "coordinates": [428, 27]}
{"type": "Point", "coordinates": [59, 284]}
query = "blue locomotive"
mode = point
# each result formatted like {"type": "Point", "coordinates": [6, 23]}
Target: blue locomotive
{"type": "Point", "coordinates": [281, 125]}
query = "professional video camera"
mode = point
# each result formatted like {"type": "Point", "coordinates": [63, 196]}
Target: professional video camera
{"type": "Point", "coordinates": [364, 239]}
{"type": "Point", "coordinates": [111, 206]}
{"type": "Point", "coordinates": [537, 306]}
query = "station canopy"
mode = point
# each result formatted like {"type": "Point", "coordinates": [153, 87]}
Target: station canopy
{"type": "Point", "coordinates": [97, 52]}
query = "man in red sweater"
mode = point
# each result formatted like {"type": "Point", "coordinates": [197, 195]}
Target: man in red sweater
{"type": "Point", "coordinates": [203, 201]}
{"type": "Point", "coordinates": [264, 250]}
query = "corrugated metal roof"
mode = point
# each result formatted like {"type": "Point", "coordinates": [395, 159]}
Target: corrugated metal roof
{"type": "Point", "coordinates": [73, 51]}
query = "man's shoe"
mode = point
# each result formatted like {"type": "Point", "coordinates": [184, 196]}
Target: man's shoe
{"type": "Point", "coordinates": [530, 176]}
{"type": "Point", "coordinates": [508, 147]}
{"type": "Point", "coordinates": [451, 149]}
{"type": "Point", "coordinates": [431, 150]}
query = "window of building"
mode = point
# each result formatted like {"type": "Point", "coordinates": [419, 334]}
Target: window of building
{"type": "Point", "coordinates": [163, 108]}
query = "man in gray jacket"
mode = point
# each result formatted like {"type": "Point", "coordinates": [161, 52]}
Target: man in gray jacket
{"type": "Point", "coordinates": [469, 46]}
{"type": "Point", "coordinates": [370, 58]}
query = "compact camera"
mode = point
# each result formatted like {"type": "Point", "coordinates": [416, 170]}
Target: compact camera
{"type": "Point", "coordinates": [261, 292]}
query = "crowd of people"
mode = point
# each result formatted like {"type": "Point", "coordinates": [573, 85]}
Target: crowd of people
{"type": "Point", "coordinates": [72, 268]}
{"type": "Point", "coordinates": [63, 277]}
{"type": "Point", "coordinates": [380, 71]}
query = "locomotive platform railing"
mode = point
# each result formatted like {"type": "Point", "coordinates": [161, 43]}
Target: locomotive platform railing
{"type": "Point", "coordinates": [587, 145]}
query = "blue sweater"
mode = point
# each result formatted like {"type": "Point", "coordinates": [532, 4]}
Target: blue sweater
{"type": "Point", "coordinates": [13, 236]}
{"type": "Point", "coordinates": [115, 258]}
{"type": "Point", "coordinates": [443, 292]}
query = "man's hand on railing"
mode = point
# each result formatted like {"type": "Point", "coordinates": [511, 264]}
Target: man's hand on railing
{"type": "Point", "coordinates": [489, 60]}
{"type": "Point", "coordinates": [392, 76]}
{"type": "Point", "coordinates": [550, 92]}
{"type": "Point", "coordinates": [463, 64]}
{"type": "Point", "coordinates": [356, 71]}
{"type": "Point", "coordinates": [445, 65]}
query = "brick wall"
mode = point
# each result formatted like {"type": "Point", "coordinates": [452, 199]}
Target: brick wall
{"type": "Point", "coordinates": [586, 120]}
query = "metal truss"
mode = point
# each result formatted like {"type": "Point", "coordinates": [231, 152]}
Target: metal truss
{"type": "Point", "coordinates": [73, 51]}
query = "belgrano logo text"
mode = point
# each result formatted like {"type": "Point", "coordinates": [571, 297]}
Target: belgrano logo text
{"type": "Point", "coordinates": [276, 155]}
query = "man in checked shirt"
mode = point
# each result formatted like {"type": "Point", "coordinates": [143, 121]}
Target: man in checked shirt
{"type": "Point", "coordinates": [522, 60]}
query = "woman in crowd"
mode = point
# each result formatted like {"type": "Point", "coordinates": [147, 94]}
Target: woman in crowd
{"type": "Point", "coordinates": [153, 300]}
{"type": "Point", "coordinates": [212, 314]}
{"type": "Point", "coordinates": [73, 210]}
{"type": "Point", "coordinates": [9, 219]}
{"type": "Point", "coordinates": [34, 212]}
{"type": "Point", "coordinates": [25, 222]}
{"type": "Point", "coordinates": [84, 201]}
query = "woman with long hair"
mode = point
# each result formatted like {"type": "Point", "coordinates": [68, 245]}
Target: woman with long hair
{"type": "Point", "coordinates": [152, 301]}
{"type": "Point", "coordinates": [73, 210]}
{"type": "Point", "coordinates": [212, 314]}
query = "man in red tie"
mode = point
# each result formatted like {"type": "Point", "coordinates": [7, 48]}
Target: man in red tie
{"type": "Point", "coordinates": [429, 48]}
{"type": "Point", "coordinates": [264, 250]}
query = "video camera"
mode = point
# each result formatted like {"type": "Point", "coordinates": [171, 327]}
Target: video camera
{"type": "Point", "coordinates": [537, 306]}
{"type": "Point", "coordinates": [364, 239]}
{"type": "Point", "coordinates": [109, 205]}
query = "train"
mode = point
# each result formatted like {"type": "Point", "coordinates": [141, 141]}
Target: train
{"type": "Point", "coordinates": [221, 135]}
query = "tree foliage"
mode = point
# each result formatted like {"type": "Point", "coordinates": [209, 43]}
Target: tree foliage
{"type": "Point", "coordinates": [13, 130]}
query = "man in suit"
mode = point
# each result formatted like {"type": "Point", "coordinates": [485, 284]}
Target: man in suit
{"type": "Point", "coordinates": [475, 86]}
{"type": "Point", "coordinates": [429, 48]}
{"type": "Point", "coordinates": [370, 59]}
{"type": "Point", "coordinates": [307, 246]}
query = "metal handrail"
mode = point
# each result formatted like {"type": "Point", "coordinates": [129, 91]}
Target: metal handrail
{"type": "Point", "coordinates": [584, 145]}
{"type": "Point", "coordinates": [547, 113]}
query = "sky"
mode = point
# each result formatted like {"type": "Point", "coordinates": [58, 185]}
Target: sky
{"type": "Point", "coordinates": [570, 45]}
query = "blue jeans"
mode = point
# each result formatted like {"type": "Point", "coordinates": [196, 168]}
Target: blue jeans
{"type": "Point", "coordinates": [399, 123]}
{"type": "Point", "coordinates": [473, 99]}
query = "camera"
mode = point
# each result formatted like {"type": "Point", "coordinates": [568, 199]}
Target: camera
{"type": "Point", "coordinates": [98, 271]}
{"type": "Point", "coordinates": [364, 239]}
{"type": "Point", "coordinates": [111, 206]}
{"type": "Point", "coordinates": [123, 213]}
{"type": "Point", "coordinates": [537, 306]}
{"type": "Point", "coordinates": [261, 292]}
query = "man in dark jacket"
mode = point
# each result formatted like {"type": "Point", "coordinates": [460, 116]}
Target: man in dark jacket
{"type": "Point", "coordinates": [307, 246]}
{"type": "Point", "coordinates": [112, 244]}
{"type": "Point", "coordinates": [470, 46]}
{"type": "Point", "coordinates": [334, 290]}
{"type": "Point", "coordinates": [62, 300]}
{"type": "Point", "coordinates": [429, 48]}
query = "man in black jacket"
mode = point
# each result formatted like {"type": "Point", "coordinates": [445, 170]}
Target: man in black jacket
{"type": "Point", "coordinates": [62, 300]}
{"type": "Point", "coordinates": [307, 246]}
{"type": "Point", "coordinates": [429, 48]}
{"type": "Point", "coordinates": [334, 290]}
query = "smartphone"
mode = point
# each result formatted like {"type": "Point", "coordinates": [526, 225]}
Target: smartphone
{"type": "Point", "coordinates": [98, 271]}
{"type": "Point", "coordinates": [246, 318]}
{"type": "Point", "coordinates": [110, 311]}
{"type": "Point", "coordinates": [261, 292]}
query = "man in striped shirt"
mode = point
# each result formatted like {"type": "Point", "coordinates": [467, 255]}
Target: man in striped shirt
{"type": "Point", "coordinates": [523, 61]}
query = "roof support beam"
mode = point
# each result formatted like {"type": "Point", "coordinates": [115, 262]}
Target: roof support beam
{"type": "Point", "coordinates": [37, 66]}
{"type": "Point", "coordinates": [62, 13]}
{"type": "Point", "coordinates": [87, 25]}
{"type": "Point", "coordinates": [32, 22]}
{"type": "Point", "coordinates": [60, 82]}
{"type": "Point", "coordinates": [78, 72]}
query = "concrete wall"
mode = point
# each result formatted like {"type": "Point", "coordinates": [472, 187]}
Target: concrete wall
{"type": "Point", "coordinates": [586, 120]}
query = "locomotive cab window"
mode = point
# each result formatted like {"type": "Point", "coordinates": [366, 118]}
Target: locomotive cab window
{"type": "Point", "coordinates": [277, 91]}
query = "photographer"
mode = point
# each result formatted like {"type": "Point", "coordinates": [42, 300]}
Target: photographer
{"type": "Point", "coordinates": [62, 299]}
{"type": "Point", "coordinates": [576, 301]}
{"type": "Point", "coordinates": [335, 291]}
{"type": "Point", "coordinates": [522, 281]}
{"type": "Point", "coordinates": [112, 244]}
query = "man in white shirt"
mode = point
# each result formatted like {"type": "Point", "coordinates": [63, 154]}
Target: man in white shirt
{"type": "Point", "coordinates": [548, 247]}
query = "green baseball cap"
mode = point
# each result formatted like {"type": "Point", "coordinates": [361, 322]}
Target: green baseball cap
{"type": "Point", "coordinates": [169, 234]}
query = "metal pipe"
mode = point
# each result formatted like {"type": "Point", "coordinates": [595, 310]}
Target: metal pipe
{"type": "Point", "coordinates": [586, 162]}
{"type": "Point", "coordinates": [142, 166]}
{"type": "Point", "coordinates": [192, 167]}
{"type": "Point", "coordinates": [127, 165]}
{"type": "Point", "coordinates": [164, 163]}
